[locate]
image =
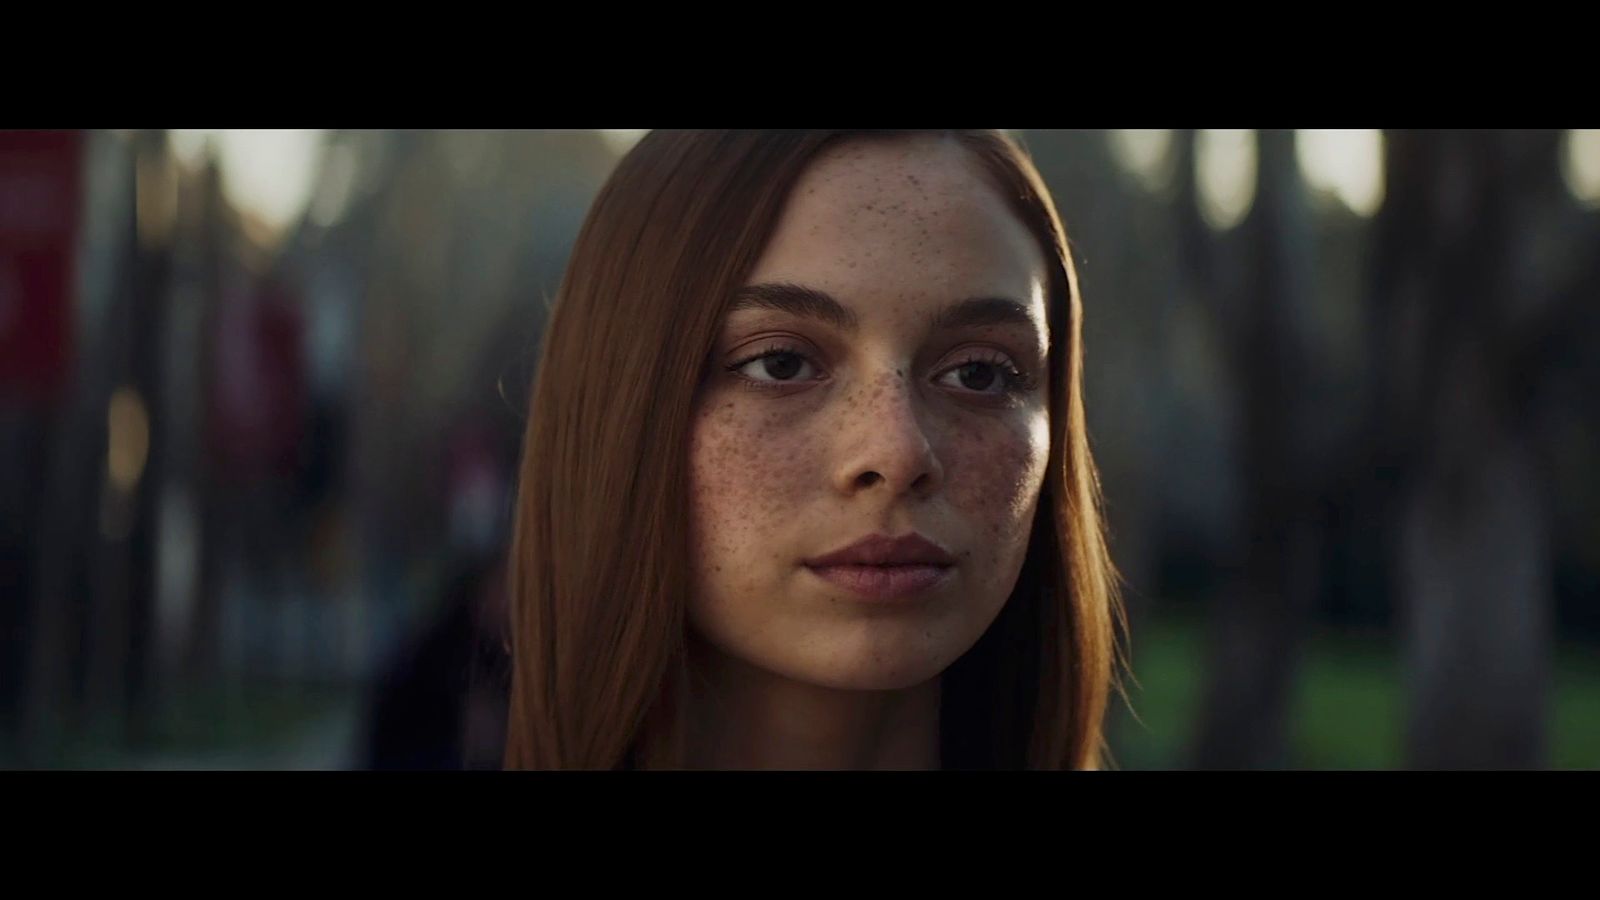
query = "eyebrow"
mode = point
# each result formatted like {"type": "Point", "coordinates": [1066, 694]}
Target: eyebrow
{"type": "Point", "coordinates": [810, 303]}
{"type": "Point", "coordinates": [801, 302]}
{"type": "Point", "coordinates": [985, 311]}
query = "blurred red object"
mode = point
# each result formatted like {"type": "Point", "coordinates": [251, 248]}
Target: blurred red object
{"type": "Point", "coordinates": [259, 395]}
{"type": "Point", "coordinates": [40, 198]}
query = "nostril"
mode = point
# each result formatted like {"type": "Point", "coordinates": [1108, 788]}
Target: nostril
{"type": "Point", "coordinates": [868, 479]}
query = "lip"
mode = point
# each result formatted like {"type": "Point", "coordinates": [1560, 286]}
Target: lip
{"type": "Point", "coordinates": [883, 582]}
{"type": "Point", "coordinates": [881, 550]}
{"type": "Point", "coordinates": [879, 567]}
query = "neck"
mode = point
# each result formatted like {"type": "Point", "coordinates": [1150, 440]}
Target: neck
{"type": "Point", "coordinates": [743, 717]}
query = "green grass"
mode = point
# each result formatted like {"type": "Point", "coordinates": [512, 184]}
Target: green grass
{"type": "Point", "coordinates": [1576, 729]}
{"type": "Point", "coordinates": [1348, 712]}
{"type": "Point", "coordinates": [214, 720]}
{"type": "Point", "coordinates": [1348, 709]}
{"type": "Point", "coordinates": [1168, 662]}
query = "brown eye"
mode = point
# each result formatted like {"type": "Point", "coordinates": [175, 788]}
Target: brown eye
{"type": "Point", "coordinates": [777, 366]}
{"type": "Point", "coordinates": [782, 366]}
{"type": "Point", "coordinates": [976, 376]}
{"type": "Point", "coordinates": [989, 377]}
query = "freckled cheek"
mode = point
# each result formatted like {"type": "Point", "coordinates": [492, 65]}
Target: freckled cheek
{"type": "Point", "coordinates": [749, 472]}
{"type": "Point", "coordinates": [995, 477]}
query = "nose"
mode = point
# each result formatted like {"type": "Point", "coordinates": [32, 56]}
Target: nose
{"type": "Point", "coordinates": [884, 444]}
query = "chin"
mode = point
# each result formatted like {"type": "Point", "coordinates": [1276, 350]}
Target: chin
{"type": "Point", "coordinates": [878, 681]}
{"type": "Point", "coordinates": [878, 669]}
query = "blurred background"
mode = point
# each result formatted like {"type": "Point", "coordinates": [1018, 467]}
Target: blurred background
{"type": "Point", "coordinates": [262, 393]}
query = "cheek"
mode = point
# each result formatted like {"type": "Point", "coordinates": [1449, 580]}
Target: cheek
{"type": "Point", "coordinates": [747, 471]}
{"type": "Point", "coordinates": [996, 473]}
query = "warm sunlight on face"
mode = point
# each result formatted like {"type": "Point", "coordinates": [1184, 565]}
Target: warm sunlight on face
{"type": "Point", "coordinates": [883, 373]}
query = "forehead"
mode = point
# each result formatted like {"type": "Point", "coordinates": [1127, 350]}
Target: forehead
{"type": "Point", "coordinates": [902, 217]}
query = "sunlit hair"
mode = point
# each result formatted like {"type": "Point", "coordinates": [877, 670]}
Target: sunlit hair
{"type": "Point", "coordinates": [600, 558]}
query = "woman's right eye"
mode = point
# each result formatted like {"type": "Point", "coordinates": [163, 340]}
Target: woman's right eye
{"type": "Point", "coordinates": [777, 367]}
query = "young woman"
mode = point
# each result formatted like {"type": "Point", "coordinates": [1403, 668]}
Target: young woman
{"type": "Point", "coordinates": [806, 482]}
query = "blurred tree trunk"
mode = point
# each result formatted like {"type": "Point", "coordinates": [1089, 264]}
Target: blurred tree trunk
{"type": "Point", "coordinates": [122, 590]}
{"type": "Point", "coordinates": [70, 523]}
{"type": "Point", "coordinates": [202, 646]}
{"type": "Point", "coordinates": [124, 553]}
{"type": "Point", "coordinates": [1257, 624]}
{"type": "Point", "coordinates": [135, 676]}
{"type": "Point", "coordinates": [1470, 512]}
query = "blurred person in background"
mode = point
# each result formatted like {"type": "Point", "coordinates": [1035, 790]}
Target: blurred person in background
{"type": "Point", "coordinates": [440, 703]}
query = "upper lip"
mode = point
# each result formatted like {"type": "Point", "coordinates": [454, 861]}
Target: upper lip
{"type": "Point", "coordinates": [881, 550]}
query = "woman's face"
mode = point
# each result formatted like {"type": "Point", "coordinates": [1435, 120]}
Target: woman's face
{"type": "Point", "coordinates": [883, 373]}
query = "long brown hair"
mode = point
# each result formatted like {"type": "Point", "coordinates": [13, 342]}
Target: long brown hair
{"type": "Point", "coordinates": [599, 563]}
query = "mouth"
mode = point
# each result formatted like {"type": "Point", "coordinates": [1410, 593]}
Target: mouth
{"type": "Point", "coordinates": [879, 567]}
{"type": "Point", "coordinates": [884, 582]}
{"type": "Point", "coordinates": [881, 550]}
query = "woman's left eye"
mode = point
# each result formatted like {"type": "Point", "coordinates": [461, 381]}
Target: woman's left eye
{"type": "Point", "coordinates": [983, 376]}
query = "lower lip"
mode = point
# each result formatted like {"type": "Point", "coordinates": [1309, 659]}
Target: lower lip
{"type": "Point", "coordinates": [883, 582]}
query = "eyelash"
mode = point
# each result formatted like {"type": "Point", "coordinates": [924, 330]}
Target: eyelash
{"type": "Point", "coordinates": [767, 353]}
{"type": "Point", "coordinates": [1017, 382]}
